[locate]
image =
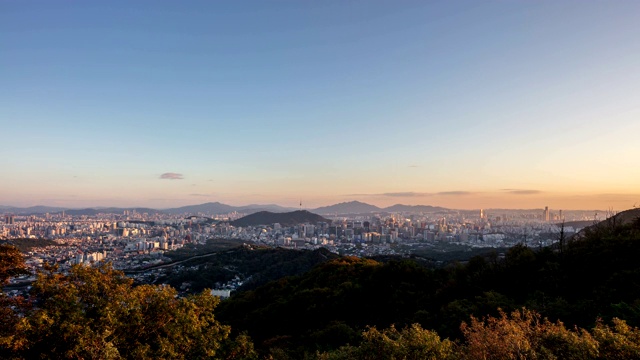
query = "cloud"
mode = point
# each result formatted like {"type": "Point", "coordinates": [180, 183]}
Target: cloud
{"type": "Point", "coordinates": [413, 166]}
{"type": "Point", "coordinates": [171, 176]}
{"type": "Point", "coordinates": [405, 194]}
{"type": "Point", "coordinates": [202, 195]}
{"type": "Point", "coordinates": [455, 193]}
{"type": "Point", "coordinates": [522, 191]}
{"type": "Point", "coordinates": [395, 194]}
{"type": "Point", "coordinates": [408, 194]}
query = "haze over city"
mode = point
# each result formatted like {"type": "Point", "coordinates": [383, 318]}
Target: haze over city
{"type": "Point", "coordinates": [455, 104]}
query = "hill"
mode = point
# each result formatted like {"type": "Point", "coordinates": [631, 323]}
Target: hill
{"type": "Point", "coordinates": [109, 210]}
{"type": "Point", "coordinates": [206, 208]}
{"type": "Point", "coordinates": [219, 208]}
{"type": "Point", "coordinates": [284, 219]}
{"type": "Point", "coordinates": [26, 245]}
{"type": "Point", "coordinates": [253, 208]}
{"type": "Point", "coordinates": [30, 210]}
{"type": "Point", "coordinates": [413, 208]}
{"type": "Point", "coordinates": [254, 265]}
{"type": "Point", "coordinates": [624, 218]}
{"type": "Point", "coordinates": [351, 207]}
{"type": "Point", "coordinates": [211, 208]}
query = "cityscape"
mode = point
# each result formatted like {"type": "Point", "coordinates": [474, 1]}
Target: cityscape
{"type": "Point", "coordinates": [132, 241]}
{"type": "Point", "coordinates": [319, 180]}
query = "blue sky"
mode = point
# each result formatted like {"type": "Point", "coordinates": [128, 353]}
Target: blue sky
{"type": "Point", "coordinates": [443, 103]}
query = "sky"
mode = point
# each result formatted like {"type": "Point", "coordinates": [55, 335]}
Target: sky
{"type": "Point", "coordinates": [462, 104]}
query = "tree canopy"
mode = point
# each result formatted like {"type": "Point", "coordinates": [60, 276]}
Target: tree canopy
{"type": "Point", "coordinates": [11, 263]}
{"type": "Point", "coordinates": [97, 313]}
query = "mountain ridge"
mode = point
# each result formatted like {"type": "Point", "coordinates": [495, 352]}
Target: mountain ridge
{"type": "Point", "coordinates": [213, 208]}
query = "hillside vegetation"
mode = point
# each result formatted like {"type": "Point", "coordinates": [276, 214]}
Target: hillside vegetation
{"type": "Point", "coordinates": [330, 306]}
{"type": "Point", "coordinates": [254, 265]}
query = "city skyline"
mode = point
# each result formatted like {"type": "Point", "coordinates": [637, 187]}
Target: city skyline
{"type": "Point", "coordinates": [463, 105]}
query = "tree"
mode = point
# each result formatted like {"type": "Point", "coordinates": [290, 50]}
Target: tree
{"type": "Point", "coordinates": [412, 342]}
{"type": "Point", "coordinates": [525, 335]}
{"type": "Point", "coordinates": [97, 313]}
{"type": "Point", "coordinates": [619, 341]}
{"type": "Point", "coordinates": [11, 263]}
{"type": "Point", "coordinates": [11, 308]}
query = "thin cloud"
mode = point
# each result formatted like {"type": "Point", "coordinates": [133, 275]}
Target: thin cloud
{"type": "Point", "coordinates": [408, 194]}
{"type": "Point", "coordinates": [522, 191]}
{"type": "Point", "coordinates": [413, 166]}
{"type": "Point", "coordinates": [396, 194]}
{"type": "Point", "coordinates": [201, 195]}
{"type": "Point", "coordinates": [405, 194]}
{"type": "Point", "coordinates": [456, 193]}
{"type": "Point", "coordinates": [171, 176]}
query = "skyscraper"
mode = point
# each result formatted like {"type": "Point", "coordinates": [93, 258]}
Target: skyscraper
{"type": "Point", "coordinates": [546, 214]}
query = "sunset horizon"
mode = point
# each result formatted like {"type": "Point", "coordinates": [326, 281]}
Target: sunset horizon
{"type": "Point", "coordinates": [462, 105]}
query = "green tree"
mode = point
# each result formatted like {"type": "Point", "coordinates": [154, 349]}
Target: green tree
{"type": "Point", "coordinates": [97, 313]}
{"type": "Point", "coordinates": [410, 343]}
{"type": "Point", "coordinates": [11, 308]}
{"type": "Point", "coordinates": [11, 263]}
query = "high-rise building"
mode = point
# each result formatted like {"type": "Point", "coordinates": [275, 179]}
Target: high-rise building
{"type": "Point", "coordinates": [546, 214]}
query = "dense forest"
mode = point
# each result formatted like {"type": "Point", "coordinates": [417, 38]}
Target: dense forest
{"type": "Point", "coordinates": [26, 244]}
{"type": "Point", "coordinates": [255, 265]}
{"type": "Point", "coordinates": [578, 300]}
{"type": "Point", "coordinates": [579, 282]}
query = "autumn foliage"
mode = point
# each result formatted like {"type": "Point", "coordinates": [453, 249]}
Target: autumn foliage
{"type": "Point", "coordinates": [521, 335]}
{"type": "Point", "coordinates": [97, 313]}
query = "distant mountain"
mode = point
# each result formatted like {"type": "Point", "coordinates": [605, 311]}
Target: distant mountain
{"type": "Point", "coordinates": [219, 208]}
{"type": "Point", "coordinates": [284, 219]}
{"type": "Point", "coordinates": [206, 208]}
{"type": "Point", "coordinates": [30, 210]}
{"type": "Point", "coordinates": [75, 212]}
{"type": "Point", "coordinates": [351, 207]}
{"type": "Point", "coordinates": [110, 210]}
{"type": "Point", "coordinates": [357, 207]}
{"type": "Point", "coordinates": [212, 208]}
{"type": "Point", "coordinates": [253, 208]}
{"type": "Point", "coordinates": [413, 208]}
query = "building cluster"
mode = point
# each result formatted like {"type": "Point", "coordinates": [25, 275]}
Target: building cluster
{"type": "Point", "coordinates": [378, 231]}
{"type": "Point", "coordinates": [132, 240]}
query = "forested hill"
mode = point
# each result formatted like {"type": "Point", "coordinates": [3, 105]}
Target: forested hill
{"type": "Point", "coordinates": [285, 219]}
{"type": "Point", "coordinates": [628, 217]}
{"type": "Point", "coordinates": [332, 304]}
{"type": "Point", "coordinates": [255, 265]}
{"type": "Point", "coordinates": [25, 245]}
